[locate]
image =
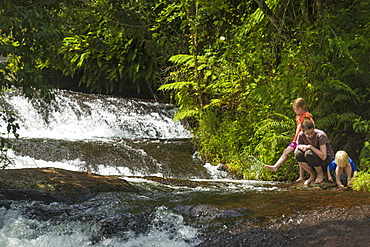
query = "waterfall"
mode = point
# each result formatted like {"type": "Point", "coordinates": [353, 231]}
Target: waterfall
{"type": "Point", "coordinates": [79, 116]}
{"type": "Point", "coordinates": [108, 135]}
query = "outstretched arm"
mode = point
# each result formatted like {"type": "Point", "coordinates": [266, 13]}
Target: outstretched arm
{"type": "Point", "coordinates": [298, 129]}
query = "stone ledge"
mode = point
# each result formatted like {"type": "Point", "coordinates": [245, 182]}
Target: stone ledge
{"type": "Point", "coordinates": [53, 184]}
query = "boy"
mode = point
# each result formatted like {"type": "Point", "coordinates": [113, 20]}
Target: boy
{"type": "Point", "coordinates": [342, 165]}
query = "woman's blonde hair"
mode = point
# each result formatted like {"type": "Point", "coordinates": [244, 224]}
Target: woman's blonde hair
{"type": "Point", "coordinates": [341, 158]}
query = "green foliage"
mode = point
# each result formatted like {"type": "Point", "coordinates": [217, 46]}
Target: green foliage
{"type": "Point", "coordinates": [106, 45]}
{"type": "Point", "coordinates": [240, 87]}
{"type": "Point", "coordinates": [363, 127]}
{"type": "Point", "coordinates": [114, 51]}
{"type": "Point", "coordinates": [25, 31]}
{"type": "Point", "coordinates": [362, 181]}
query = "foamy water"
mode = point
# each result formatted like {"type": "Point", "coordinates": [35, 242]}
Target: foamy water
{"type": "Point", "coordinates": [20, 162]}
{"type": "Point", "coordinates": [88, 116]}
{"type": "Point", "coordinates": [166, 229]}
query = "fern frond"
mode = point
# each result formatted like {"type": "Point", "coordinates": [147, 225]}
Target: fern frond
{"type": "Point", "coordinates": [182, 59]}
{"type": "Point", "coordinates": [347, 117]}
{"type": "Point", "coordinates": [278, 116]}
{"type": "Point", "coordinates": [176, 85]}
{"type": "Point", "coordinates": [340, 86]}
{"type": "Point", "coordinates": [256, 18]}
{"type": "Point", "coordinates": [334, 119]}
{"type": "Point", "coordinates": [182, 114]}
{"type": "Point", "coordinates": [327, 122]}
{"type": "Point", "coordinates": [340, 98]}
{"type": "Point", "coordinates": [268, 125]}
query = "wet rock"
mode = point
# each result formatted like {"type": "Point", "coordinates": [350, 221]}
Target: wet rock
{"type": "Point", "coordinates": [173, 181]}
{"type": "Point", "coordinates": [139, 223]}
{"type": "Point", "coordinates": [251, 238]}
{"type": "Point", "coordinates": [342, 218]}
{"type": "Point", "coordinates": [204, 211]}
{"type": "Point", "coordinates": [56, 185]}
{"type": "Point", "coordinates": [312, 186]}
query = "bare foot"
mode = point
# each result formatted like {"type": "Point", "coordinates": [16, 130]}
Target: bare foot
{"type": "Point", "coordinates": [309, 180]}
{"type": "Point", "coordinates": [319, 179]}
{"type": "Point", "coordinates": [300, 179]}
{"type": "Point", "coordinates": [271, 168]}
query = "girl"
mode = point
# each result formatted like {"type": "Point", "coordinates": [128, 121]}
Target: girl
{"type": "Point", "coordinates": [300, 108]}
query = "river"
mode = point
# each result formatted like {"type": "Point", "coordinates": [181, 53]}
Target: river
{"type": "Point", "coordinates": [180, 201]}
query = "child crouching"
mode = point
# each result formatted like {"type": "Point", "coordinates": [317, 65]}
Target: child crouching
{"type": "Point", "coordinates": [342, 165]}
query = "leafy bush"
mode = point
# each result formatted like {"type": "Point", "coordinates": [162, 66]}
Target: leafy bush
{"type": "Point", "coordinates": [362, 181]}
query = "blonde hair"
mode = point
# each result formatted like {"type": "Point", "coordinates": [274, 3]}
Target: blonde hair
{"type": "Point", "coordinates": [341, 158]}
{"type": "Point", "coordinates": [301, 103]}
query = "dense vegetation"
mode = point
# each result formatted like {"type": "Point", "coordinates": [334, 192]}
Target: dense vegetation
{"type": "Point", "coordinates": [233, 67]}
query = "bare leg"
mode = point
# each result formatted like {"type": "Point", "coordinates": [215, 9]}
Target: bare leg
{"type": "Point", "coordinates": [320, 175]}
{"type": "Point", "coordinates": [281, 160]}
{"type": "Point", "coordinates": [310, 170]}
{"type": "Point", "coordinates": [301, 174]}
{"type": "Point", "coordinates": [338, 173]}
{"type": "Point", "coordinates": [277, 165]}
{"type": "Point", "coordinates": [348, 171]}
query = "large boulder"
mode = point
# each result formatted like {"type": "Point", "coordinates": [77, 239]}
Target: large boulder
{"type": "Point", "coordinates": [52, 184]}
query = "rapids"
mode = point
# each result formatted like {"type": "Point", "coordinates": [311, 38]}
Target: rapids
{"type": "Point", "coordinates": [180, 201]}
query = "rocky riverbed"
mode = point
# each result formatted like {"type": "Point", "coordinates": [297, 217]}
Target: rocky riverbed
{"type": "Point", "coordinates": [319, 215]}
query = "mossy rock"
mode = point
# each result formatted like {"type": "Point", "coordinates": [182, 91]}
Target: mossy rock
{"type": "Point", "coordinates": [53, 184]}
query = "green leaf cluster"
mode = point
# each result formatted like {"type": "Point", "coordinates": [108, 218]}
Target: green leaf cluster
{"type": "Point", "coordinates": [106, 46]}
{"type": "Point", "coordinates": [361, 181]}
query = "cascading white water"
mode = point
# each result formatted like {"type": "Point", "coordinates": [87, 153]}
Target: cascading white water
{"type": "Point", "coordinates": [80, 118]}
{"type": "Point", "coordinates": [89, 116]}
{"type": "Point", "coordinates": [19, 231]}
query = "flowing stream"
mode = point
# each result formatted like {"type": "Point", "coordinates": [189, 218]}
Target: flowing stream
{"type": "Point", "coordinates": [180, 201]}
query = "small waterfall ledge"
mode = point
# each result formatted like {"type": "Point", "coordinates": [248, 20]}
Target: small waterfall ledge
{"type": "Point", "coordinates": [74, 115]}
